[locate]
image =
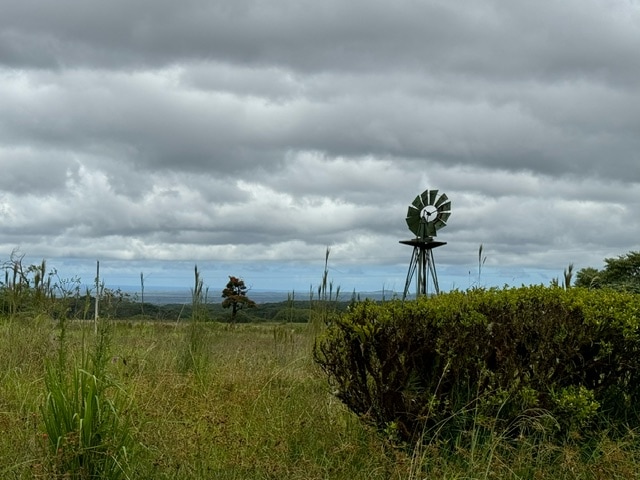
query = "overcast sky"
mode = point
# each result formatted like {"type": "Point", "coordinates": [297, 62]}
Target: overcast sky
{"type": "Point", "coordinates": [247, 136]}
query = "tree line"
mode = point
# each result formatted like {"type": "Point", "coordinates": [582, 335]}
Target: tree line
{"type": "Point", "coordinates": [621, 273]}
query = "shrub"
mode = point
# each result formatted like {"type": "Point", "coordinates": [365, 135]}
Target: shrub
{"type": "Point", "coordinates": [438, 365]}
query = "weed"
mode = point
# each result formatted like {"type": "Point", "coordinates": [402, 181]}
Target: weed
{"type": "Point", "coordinates": [86, 435]}
{"type": "Point", "coordinates": [193, 357]}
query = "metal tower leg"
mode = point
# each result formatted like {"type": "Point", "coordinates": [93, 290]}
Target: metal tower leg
{"type": "Point", "coordinates": [423, 274]}
{"type": "Point", "coordinates": [412, 270]}
{"type": "Point", "coordinates": [422, 262]}
{"type": "Point", "coordinates": [432, 269]}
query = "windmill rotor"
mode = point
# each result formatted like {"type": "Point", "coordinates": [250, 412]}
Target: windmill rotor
{"type": "Point", "coordinates": [428, 213]}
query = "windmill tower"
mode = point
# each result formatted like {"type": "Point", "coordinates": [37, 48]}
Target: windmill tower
{"type": "Point", "coordinates": [427, 214]}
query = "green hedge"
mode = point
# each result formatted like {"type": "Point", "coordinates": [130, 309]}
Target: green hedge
{"type": "Point", "coordinates": [510, 359]}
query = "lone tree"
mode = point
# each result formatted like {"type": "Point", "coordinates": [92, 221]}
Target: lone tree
{"type": "Point", "coordinates": [235, 296]}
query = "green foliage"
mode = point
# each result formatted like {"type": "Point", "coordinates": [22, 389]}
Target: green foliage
{"type": "Point", "coordinates": [87, 437]}
{"type": "Point", "coordinates": [577, 403]}
{"type": "Point", "coordinates": [326, 305]}
{"type": "Point", "coordinates": [625, 268]}
{"type": "Point", "coordinates": [261, 412]}
{"type": "Point", "coordinates": [235, 297]}
{"type": "Point", "coordinates": [291, 315]}
{"type": "Point", "coordinates": [193, 357]}
{"type": "Point", "coordinates": [26, 289]}
{"type": "Point", "coordinates": [506, 358]}
{"type": "Point", "coordinates": [199, 296]}
{"type": "Point", "coordinates": [620, 273]}
{"type": "Point", "coordinates": [29, 290]}
{"type": "Point", "coordinates": [568, 276]}
{"type": "Point", "coordinates": [588, 277]}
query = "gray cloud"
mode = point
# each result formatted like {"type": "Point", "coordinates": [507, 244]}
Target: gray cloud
{"type": "Point", "coordinates": [253, 132]}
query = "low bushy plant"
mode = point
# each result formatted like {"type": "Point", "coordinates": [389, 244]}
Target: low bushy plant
{"type": "Point", "coordinates": [86, 435]}
{"type": "Point", "coordinates": [504, 358]}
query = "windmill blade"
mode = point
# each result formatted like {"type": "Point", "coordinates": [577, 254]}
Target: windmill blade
{"type": "Point", "coordinates": [439, 223]}
{"type": "Point", "coordinates": [445, 207]}
{"type": "Point", "coordinates": [428, 196]}
{"type": "Point", "coordinates": [414, 226]}
{"type": "Point", "coordinates": [413, 212]}
{"type": "Point", "coordinates": [418, 203]}
{"type": "Point", "coordinates": [413, 220]}
{"type": "Point", "coordinates": [424, 196]}
{"type": "Point", "coordinates": [444, 216]}
{"type": "Point", "coordinates": [443, 198]}
{"type": "Point", "coordinates": [431, 230]}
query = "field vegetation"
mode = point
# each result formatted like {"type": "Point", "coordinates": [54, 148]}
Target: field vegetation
{"type": "Point", "coordinates": [190, 396]}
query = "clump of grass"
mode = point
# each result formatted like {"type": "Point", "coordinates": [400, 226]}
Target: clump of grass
{"type": "Point", "coordinates": [193, 357]}
{"type": "Point", "coordinates": [324, 307]}
{"type": "Point", "coordinates": [86, 436]}
{"type": "Point", "coordinates": [283, 342]}
{"type": "Point", "coordinates": [483, 452]}
{"type": "Point", "coordinates": [27, 289]}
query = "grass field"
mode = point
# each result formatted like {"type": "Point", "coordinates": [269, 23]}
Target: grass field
{"type": "Point", "coordinates": [249, 403]}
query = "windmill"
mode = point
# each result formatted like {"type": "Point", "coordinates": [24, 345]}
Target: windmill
{"type": "Point", "coordinates": [427, 214]}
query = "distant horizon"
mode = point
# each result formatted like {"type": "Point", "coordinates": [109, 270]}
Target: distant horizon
{"type": "Point", "coordinates": [182, 295]}
{"type": "Point", "coordinates": [160, 289]}
{"type": "Point", "coordinates": [286, 276]}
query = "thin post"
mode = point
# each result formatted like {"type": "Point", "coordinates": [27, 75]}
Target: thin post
{"type": "Point", "coordinates": [95, 317]}
{"type": "Point", "coordinates": [142, 293]}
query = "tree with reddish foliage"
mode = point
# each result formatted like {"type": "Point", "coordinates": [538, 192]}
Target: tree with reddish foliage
{"type": "Point", "coordinates": [235, 297]}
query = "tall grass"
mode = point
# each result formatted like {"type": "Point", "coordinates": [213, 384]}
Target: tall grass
{"type": "Point", "coordinates": [323, 306]}
{"type": "Point", "coordinates": [258, 413]}
{"type": "Point", "coordinates": [85, 434]}
{"type": "Point", "coordinates": [194, 357]}
{"type": "Point", "coordinates": [27, 289]}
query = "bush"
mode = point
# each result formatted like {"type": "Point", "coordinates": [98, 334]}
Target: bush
{"type": "Point", "coordinates": [494, 358]}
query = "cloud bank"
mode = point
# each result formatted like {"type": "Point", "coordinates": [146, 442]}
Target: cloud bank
{"type": "Point", "coordinates": [256, 134]}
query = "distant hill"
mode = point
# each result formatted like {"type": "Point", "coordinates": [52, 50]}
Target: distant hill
{"type": "Point", "coordinates": [183, 296]}
{"type": "Point", "coordinates": [175, 304]}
